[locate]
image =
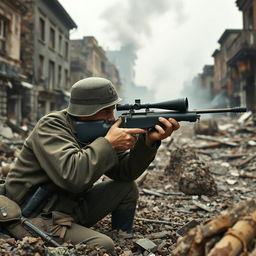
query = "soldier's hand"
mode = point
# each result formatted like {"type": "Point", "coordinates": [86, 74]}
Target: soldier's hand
{"type": "Point", "coordinates": [160, 133]}
{"type": "Point", "coordinates": [122, 138]}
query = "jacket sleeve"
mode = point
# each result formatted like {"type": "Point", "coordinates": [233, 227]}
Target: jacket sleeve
{"type": "Point", "coordinates": [68, 165]}
{"type": "Point", "coordinates": [133, 163]}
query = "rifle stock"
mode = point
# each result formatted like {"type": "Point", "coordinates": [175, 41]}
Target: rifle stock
{"type": "Point", "coordinates": [88, 131]}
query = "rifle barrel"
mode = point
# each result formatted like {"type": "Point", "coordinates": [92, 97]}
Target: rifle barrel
{"type": "Point", "coordinates": [221, 110]}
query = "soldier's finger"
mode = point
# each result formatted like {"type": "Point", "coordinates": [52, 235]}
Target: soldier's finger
{"type": "Point", "coordinates": [175, 124]}
{"type": "Point", "coordinates": [160, 129]}
{"type": "Point", "coordinates": [165, 122]}
{"type": "Point", "coordinates": [118, 122]}
{"type": "Point", "coordinates": [135, 131]}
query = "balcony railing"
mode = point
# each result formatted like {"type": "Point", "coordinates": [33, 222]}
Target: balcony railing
{"type": "Point", "coordinates": [247, 39]}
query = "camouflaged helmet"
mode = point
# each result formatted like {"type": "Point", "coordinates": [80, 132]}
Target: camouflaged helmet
{"type": "Point", "coordinates": [90, 95]}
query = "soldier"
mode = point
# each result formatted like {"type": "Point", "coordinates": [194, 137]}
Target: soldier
{"type": "Point", "coordinates": [53, 159]}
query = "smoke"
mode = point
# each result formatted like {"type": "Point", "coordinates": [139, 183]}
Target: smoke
{"type": "Point", "coordinates": [128, 21]}
{"type": "Point", "coordinates": [129, 24]}
{"type": "Point", "coordinates": [198, 97]}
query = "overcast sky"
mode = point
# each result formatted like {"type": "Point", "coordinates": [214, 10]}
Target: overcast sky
{"type": "Point", "coordinates": [174, 38]}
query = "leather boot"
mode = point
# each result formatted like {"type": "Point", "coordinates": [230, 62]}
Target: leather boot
{"type": "Point", "coordinates": [122, 219]}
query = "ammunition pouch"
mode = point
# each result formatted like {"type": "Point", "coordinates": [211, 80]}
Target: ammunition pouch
{"type": "Point", "coordinates": [2, 187]}
{"type": "Point", "coordinates": [9, 210]}
{"type": "Point", "coordinates": [10, 219]}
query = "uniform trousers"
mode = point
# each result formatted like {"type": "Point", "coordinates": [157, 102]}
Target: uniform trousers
{"type": "Point", "coordinates": [99, 201]}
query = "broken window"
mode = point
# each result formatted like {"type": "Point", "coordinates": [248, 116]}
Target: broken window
{"type": "Point", "coordinates": [17, 23]}
{"type": "Point", "coordinates": [41, 67]}
{"type": "Point", "coordinates": [66, 78]}
{"type": "Point", "coordinates": [42, 29]}
{"type": "Point", "coordinates": [66, 50]}
{"type": "Point", "coordinates": [250, 26]}
{"type": "Point", "coordinates": [52, 38]}
{"type": "Point", "coordinates": [3, 103]}
{"type": "Point", "coordinates": [60, 44]}
{"type": "Point", "coordinates": [3, 34]}
{"type": "Point", "coordinates": [51, 73]}
{"type": "Point", "coordinates": [41, 108]}
{"type": "Point", "coordinates": [103, 67]}
{"type": "Point", "coordinates": [59, 75]}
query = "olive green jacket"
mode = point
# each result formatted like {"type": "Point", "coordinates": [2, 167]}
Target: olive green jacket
{"type": "Point", "coordinates": [52, 154]}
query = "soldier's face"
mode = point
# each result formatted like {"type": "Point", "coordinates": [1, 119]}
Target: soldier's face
{"type": "Point", "coordinates": [106, 114]}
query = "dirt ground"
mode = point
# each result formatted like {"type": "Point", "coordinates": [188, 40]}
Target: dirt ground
{"type": "Point", "coordinates": [193, 178]}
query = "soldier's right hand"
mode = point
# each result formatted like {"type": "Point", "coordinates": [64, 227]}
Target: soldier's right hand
{"type": "Point", "coordinates": [122, 138]}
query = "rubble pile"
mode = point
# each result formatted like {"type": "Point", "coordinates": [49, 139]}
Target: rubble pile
{"type": "Point", "coordinates": [221, 166]}
{"type": "Point", "coordinates": [191, 174]}
{"type": "Point", "coordinates": [196, 180]}
{"type": "Point", "coordinates": [11, 141]}
{"type": "Point", "coordinates": [32, 246]}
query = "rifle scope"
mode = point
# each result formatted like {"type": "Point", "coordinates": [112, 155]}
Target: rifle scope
{"type": "Point", "coordinates": [178, 105]}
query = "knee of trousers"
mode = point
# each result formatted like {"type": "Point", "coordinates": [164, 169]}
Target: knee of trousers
{"type": "Point", "coordinates": [104, 242]}
{"type": "Point", "coordinates": [78, 234]}
{"type": "Point", "coordinates": [132, 195]}
{"type": "Point", "coordinates": [134, 192]}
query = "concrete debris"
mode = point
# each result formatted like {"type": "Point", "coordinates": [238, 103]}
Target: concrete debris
{"type": "Point", "coordinates": [244, 117]}
{"type": "Point", "coordinates": [197, 180]}
{"type": "Point", "coordinates": [191, 173]}
{"type": "Point", "coordinates": [146, 245]}
{"type": "Point", "coordinates": [183, 230]}
{"type": "Point", "coordinates": [206, 126]}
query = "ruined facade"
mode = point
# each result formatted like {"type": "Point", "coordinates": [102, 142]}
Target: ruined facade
{"type": "Point", "coordinates": [45, 55]}
{"type": "Point", "coordinates": [11, 88]}
{"type": "Point", "coordinates": [234, 66]}
{"type": "Point", "coordinates": [124, 59]}
{"type": "Point", "coordinates": [222, 80]}
{"type": "Point", "coordinates": [242, 54]}
{"type": "Point", "coordinates": [208, 79]}
{"type": "Point", "coordinates": [89, 59]}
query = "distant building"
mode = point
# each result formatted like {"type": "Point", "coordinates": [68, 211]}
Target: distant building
{"type": "Point", "coordinates": [45, 55]}
{"type": "Point", "coordinates": [11, 88]}
{"type": "Point", "coordinates": [89, 59]}
{"type": "Point", "coordinates": [223, 82]}
{"type": "Point", "coordinates": [208, 79]}
{"type": "Point", "coordinates": [200, 90]}
{"type": "Point", "coordinates": [124, 59]}
{"type": "Point", "coordinates": [242, 56]}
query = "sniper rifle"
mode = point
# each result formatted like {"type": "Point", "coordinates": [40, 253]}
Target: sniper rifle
{"type": "Point", "coordinates": [89, 130]}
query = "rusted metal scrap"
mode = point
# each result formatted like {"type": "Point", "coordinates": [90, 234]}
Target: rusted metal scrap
{"type": "Point", "coordinates": [195, 241]}
{"type": "Point", "coordinates": [250, 158]}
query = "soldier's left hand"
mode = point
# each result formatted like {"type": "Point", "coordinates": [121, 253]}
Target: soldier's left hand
{"type": "Point", "coordinates": [160, 133]}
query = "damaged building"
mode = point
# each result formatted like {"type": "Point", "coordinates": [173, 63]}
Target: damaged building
{"type": "Point", "coordinates": [45, 55]}
{"type": "Point", "coordinates": [12, 89]}
{"type": "Point", "coordinates": [124, 59]}
{"type": "Point", "coordinates": [89, 59]}
{"type": "Point", "coordinates": [234, 66]}
{"type": "Point", "coordinates": [222, 81]}
{"type": "Point", "coordinates": [242, 54]}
